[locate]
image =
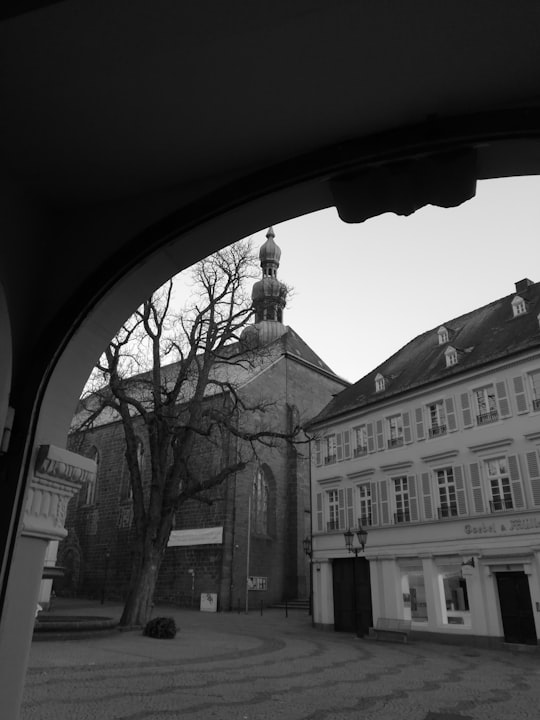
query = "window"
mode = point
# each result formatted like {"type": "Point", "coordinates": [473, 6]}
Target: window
{"type": "Point", "coordinates": [446, 487]}
{"type": "Point", "coordinates": [442, 332]}
{"type": "Point", "coordinates": [519, 306]}
{"type": "Point", "coordinates": [401, 500]}
{"type": "Point", "coordinates": [364, 505]}
{"type": "Point", "coordinates": [88, 492]}
{"type": "Point", "coordinates": [437, 419]}
{"type": "Point", "coordinates": [414, 593]}
{"type": "Point", "coordinates": [451, 356]}
{"type": "Point", "coordinates": [331, 449]}
{"type": "Point", "coordinates": [379, 382]}
{"type": "Point", "coordinates": [534, 379]}
{"type": "Point", "coordinates": [360, 440]}
{"type": "Point", "coordinates": [499, 484]}
{"type": "Point", "coordinates": [486, 405]}
{"type": "Point", "coordinates": [395, 431]}
{"type": "Point", "coordinates": [454, 596]}
{"type": "Point", "coordinates": [259, 505]}
{"type": "Point", "coordinates": [333, 510]}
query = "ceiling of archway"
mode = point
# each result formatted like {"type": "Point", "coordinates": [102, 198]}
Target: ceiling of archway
{"type": "Point", "coordinates": [115, 97]}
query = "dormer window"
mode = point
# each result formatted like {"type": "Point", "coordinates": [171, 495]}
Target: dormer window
{"type": "Point", "coordinates": [519, 306]}
{"type": "Point", "coordinates": [442, 332]}
{"type": "Point", "coordinates": [451, 356]}
{"type": "Point", "coordinates": [380, 382]}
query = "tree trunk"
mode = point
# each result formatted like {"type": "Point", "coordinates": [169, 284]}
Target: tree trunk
{"type": "Point", "coordinates": [138, 607]}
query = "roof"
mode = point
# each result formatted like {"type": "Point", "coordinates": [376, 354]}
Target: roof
{"type": "Point", "coordinates": [485, 335]}
{"type": "Point", "coordinates": [238, 368]}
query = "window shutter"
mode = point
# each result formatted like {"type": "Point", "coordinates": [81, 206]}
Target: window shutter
{"type": "Point", "coordinates": [466, 410]}
{"type": "Point", "coordinates": [339, 447]}
{"type": "Point", "coordinates": [515, 479]}
{"type": "Point", "coordinates": [476, 485]}
{"type": "Point", "coordinates": [380, 435]}
{"type": "Point", "coordinates": [385, 510]}
{"type": "Point", "coordinates": [521, 397]}
{"type": "Point", "coordinates": [533, 470]}
{"type": "Point", "coordinates": [346, 444]}
{"type": "Point", "coordinates": [502, 397]}
{"type": "Point", "coordinates": [370, 438]}
{"type": "Point", "coordinates": [374, 505]}
{"type": "Point", "coordinates": [413, 499]}
{"type": "Point", "coordinates": [318, 453]}
{"type": "Point", "coordinates": [460, 490]}
{"type": "Point", "coordinates": [350, 508]}
{"type": "Point", "coordinates": [450, 414]}
{"type": "Point", "coordinates": [407, 434]}
{"type": "Point", "coordinates": [341, 499]}
{"type": "Point", "coordinates": [319, 502]}
{"type": "Point", "coordinates": [419, 418]}
{"type": "Point", "coordinates": [428, 500]}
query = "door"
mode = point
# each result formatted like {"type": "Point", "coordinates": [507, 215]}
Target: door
{"type": "Point", "coordinates": [516, 608]}
{"type": "Point", "coordinates": [352, 595]}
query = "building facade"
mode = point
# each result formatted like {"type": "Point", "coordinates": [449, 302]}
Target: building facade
{"type": "Point", "coordinates": [436, 454]}
{"type": "Point", "coordinates": [241, 545]}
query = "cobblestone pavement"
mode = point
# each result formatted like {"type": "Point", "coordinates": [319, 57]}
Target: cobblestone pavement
{"type": "Point", "coordinates": [230, 666]}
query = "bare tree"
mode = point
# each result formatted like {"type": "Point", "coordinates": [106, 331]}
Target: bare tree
{"type": "Point", "coordinates": [179, 376]}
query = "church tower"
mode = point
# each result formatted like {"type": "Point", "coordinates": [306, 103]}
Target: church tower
{"type": "Point", "coordinates": [269, 297]}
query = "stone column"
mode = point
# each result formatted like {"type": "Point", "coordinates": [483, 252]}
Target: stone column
{"type": "Point", "coordinates": [58, 475]}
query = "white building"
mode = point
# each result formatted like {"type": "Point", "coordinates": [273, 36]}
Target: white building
{"type": "Point", "coordinates": [436, 454]}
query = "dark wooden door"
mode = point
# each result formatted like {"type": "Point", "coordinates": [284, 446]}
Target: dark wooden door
{"type": "Point", "coordinates": [352, 594]}
{"type": "Point", "coordinates": [516, 608]}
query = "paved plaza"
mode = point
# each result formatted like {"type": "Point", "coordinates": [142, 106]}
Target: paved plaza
{"type": "Point", "coordinates": [230, 666]}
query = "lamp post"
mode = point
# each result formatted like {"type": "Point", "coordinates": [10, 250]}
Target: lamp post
{"type": "Point", "coordinates": [361, 534]}
{"type": "Point", "coordinates": [309, 552]}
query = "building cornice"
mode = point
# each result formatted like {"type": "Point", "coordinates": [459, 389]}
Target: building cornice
{"type": "Point", "coordinates": [490, 446]}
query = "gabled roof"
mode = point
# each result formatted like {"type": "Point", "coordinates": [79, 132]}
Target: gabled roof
{"type": "Point", "coordinates": [482, 336]}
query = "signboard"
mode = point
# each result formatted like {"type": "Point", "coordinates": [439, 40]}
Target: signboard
{"type": "Point", "coordinates": [255, 582]}
{"type": "Point", "coordinates": [196, 536]}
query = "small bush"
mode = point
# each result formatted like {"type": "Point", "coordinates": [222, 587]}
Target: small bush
{"type": "Point", "coordinates": [160, 627]}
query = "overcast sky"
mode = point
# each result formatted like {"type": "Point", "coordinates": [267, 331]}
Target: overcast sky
{"type": "Point", "coordinates": [363, 291]}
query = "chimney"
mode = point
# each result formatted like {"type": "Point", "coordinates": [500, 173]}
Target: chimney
{"type": "Point", "coordinates": [522, 285]}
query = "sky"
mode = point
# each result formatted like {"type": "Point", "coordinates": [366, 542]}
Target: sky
{"type": "Point", "coordinates": [361, 292]}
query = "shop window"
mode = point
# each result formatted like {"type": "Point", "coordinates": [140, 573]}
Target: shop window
{"type": "Point", "coordinates": [414, 594]}
{"type": "Point", "coordinates": [454, 596]}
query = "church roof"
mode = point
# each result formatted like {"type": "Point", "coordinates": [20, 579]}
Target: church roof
{"type": "Point", "coordinates": [485, 335]}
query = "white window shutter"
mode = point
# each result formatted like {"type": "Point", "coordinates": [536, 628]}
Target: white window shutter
{"type": "Point", "coordinates": [502, 398]}
{"type": "Point", "coordinates": [319, 504]}
{"type": "Point", "coordinates": [339, 447]}
{"type": "Point", "coordinates": [466, 410]}
{"type": "Point", "coordinates": [520, 395]}
{"type": "Point", "coordinates": [370, 437]}
{"type": "Point", "coordinates": [380, 435]}
{"type": "Point", "coordinates": [374, 504]}
{"type": "Point", "coordinates": [413, 500]}
{"type": "Point", "coordinates": [407, 434]}
{"type": "Point", "coordinates": [350, 508]}
{"type": "Point", "coordinates": [346, 444]}
{"type": "Point", "coordinates": [385, 504]}
{"type": "Point", "coordinates": [341, 497]}
{"type": "Point", "coordinates": [515, 479]}
{"type": "Point", "coordinates": [461, 497]}
{"type": "Point", "coordinates": [476, 487]}
{"type": "Point", "coordinates": [428, 499]}
{"type": "Point", "coordinates": [533, 469]}
{"type": "Point", "coordinates": [450, 414]}
{"type": "Point", "coordinates": [419, 420]}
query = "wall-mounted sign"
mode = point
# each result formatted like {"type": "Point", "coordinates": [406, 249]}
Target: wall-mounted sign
{"type": "Point", "coordinates": [498, 527]}
{"type": "Point", "coordinates": [257, 583]}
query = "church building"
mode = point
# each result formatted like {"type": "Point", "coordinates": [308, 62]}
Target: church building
{"type": "Point", "coordinates": [244, 545]}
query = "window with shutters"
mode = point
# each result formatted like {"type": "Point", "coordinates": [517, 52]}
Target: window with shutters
{"type": "Point", "coordinates": [395, 431]}
{"type": "Point", "coordinates": [534, 380]}
{"type": "Point", "coordinates": [360, 440]}
{"type": "Point", "coordinates": [401, 499]}
{"type": "Point", "coordinates": [486, 405]}
{"type": "Point", "coordinates": [437, 419]}
{"type": "Point", "coordinates": [500, 489]}
{"type": "Point", "coordinates": [446, 489]}
{"type": "Point", "coordinates": [364, 504]}
{"type": "Point", "coordinates": [333, 510]}
{"type": "Point", "coordinates": [330, 444]}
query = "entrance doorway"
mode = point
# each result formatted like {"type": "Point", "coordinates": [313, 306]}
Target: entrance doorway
{"type": "Point", "coordinates": [349, 597]}
{"type": "Point", "coordinates": [516, 608]}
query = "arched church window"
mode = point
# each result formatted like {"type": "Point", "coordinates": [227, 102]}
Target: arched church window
{"type": "Point", "coordinates": [260, 503]}
{"type": "Point", "coordinates": [89, 496]}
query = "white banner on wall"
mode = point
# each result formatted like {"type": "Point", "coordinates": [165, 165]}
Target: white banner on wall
{"type": "Point", "coordinates": [196, 536]}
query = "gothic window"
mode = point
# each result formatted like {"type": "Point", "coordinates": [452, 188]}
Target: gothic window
{"type": "Point", "coordinates": [89, 490]}
{"type": "Point", "coordinates": [260, 503]}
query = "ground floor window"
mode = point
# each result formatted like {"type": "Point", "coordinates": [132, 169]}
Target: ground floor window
{"type": "Point", "coordinates": [453, 595]}
{"type": "Point", "coordinates": [414, 594]}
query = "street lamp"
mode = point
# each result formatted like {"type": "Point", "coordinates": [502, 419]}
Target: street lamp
{"type": "Point", "coordinates": [361, 534]}
{"type": "Point", "coordinates": [309, 552]}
